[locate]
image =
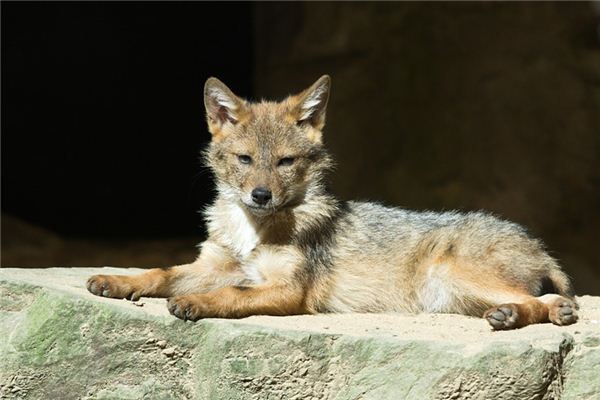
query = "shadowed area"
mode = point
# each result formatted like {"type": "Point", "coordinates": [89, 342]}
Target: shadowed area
{"type": "Point", "coordinates": [438, 106]}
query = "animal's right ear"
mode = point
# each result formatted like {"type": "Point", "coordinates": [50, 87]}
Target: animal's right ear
{"type": "Point", "coordinates": [222, 106]}
{"type": "Point", "coordinates": [312, 103]}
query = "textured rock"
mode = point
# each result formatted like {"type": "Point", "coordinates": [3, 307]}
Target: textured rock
{"type": "Point", "coordinates": [58, 341]}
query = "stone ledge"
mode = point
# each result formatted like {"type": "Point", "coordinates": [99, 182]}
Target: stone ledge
{"type": "Point", "coordinates": [59, 341]}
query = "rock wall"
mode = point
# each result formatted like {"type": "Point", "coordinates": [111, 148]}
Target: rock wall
{"type": "Point", "coordinates": [60, 342]}
{"type": "Point", "coordinates": [490, 106]}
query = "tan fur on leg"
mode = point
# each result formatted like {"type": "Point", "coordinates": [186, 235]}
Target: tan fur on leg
{"type": "Point", "coordinates": [548, 308]}
{"type": "Point", "coordinates": [239, 302]}
{"type": "Point", "coordinates": [215, 268]}
{"type": "Point", "coordinates": [561, 310]}
{"type": "Point", "coordinates": [517, 315]}
{"type": "Point", "coordinates": [153, 283]}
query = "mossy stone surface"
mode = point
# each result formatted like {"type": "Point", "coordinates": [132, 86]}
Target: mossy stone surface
{"type": "Point", "coordinates": [61, 342]}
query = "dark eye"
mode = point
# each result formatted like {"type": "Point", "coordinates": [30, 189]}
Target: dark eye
{"type": "Point", "coordinates": [244, 159]}
{"type": "Point", "coordinates": [286, 161]}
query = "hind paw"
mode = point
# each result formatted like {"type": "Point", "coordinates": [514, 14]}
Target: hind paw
{"type": "Point", "coordinates": [505, 316]}
{"type": "Point", "coordinates": [562, 312]}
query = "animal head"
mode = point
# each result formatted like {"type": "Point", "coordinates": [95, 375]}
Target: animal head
{"type": "Point", "coordinates": [268, 156]}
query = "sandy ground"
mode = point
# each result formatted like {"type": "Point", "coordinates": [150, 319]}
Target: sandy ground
{"type": "Point", "coordinates": [435, 327]}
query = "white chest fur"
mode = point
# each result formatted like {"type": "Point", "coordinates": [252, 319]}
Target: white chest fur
{"type": "Point", "coordinates": [240, 232]}
{"type": "Point", "coordinates": [229, 224]}
{"type": "Point", "coordinates": [233, 228]}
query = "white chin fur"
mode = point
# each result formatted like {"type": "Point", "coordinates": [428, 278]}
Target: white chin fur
{"type": "Point", "coordinates": [259, 211]}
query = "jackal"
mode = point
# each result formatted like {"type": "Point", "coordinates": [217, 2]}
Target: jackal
{"type": "Point", "coordinates": [280, 244]}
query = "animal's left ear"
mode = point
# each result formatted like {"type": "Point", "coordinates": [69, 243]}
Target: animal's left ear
{"type": "Point", "coordinates": [222, 106]}
{"type": "Point", "coordinates": [312, 103]}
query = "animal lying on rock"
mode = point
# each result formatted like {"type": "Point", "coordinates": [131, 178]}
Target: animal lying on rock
{"type": "Point", "coordinates": [280, 244]}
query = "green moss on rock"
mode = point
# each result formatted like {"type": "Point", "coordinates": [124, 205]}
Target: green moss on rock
{"type": "Point", "coordinates": [62, 342]}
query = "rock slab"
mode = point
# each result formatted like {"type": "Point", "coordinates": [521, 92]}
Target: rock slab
{"type": "Point", "coordinates": [60, 342]}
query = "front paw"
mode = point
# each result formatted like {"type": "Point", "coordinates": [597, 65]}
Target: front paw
{"type": "Point", "coordinates": [117, 287]}
{"type": "Point", "coordinates": [187, 308]}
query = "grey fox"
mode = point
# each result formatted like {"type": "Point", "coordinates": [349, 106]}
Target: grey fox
{"type": "Point", "coordinates": [279, 243]}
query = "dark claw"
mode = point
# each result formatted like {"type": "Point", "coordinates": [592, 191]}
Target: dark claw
{"type": "Point", "coordinates": [134, 296]}
{"type": "Point", "coordinates": [506, 310]}
{"type": "Point", "coordinates": [498, 315]}
{"type": "Point", "coordinates": [565, 311]}
{"type": "Point", "coordinates": [105, 292]}
{"type": "Point", "coordinates": [496, 324]}
{"type": "Point", "coordinates": [569, 319]}
{"type": "Point", "coordinates": [170, 305]}
{"type": "Point", "coordinates": [175, 309]}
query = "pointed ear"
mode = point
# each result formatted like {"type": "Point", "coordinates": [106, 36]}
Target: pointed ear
{"type": "Point", "coordinates": [222, 106]}
{"type": "Point", "coordinates": [312, 103]}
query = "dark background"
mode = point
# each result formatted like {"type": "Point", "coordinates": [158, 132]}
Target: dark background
{"type": "Point", "coordinates": [434, 106]}
{"type": "Point", "coordinates": [102, 111]}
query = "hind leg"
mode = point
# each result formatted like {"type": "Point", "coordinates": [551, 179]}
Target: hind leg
{"type": "Point", "coordinates": [452, 287]}
{"type": "Point", "coordinates": [548, 308]}
{"type": "Point", "coordinates": [517, 315]}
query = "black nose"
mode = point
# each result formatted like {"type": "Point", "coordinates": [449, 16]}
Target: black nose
{"type": "Point", "coordinates": [261, 195]}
